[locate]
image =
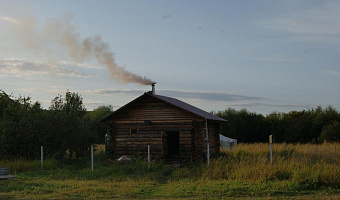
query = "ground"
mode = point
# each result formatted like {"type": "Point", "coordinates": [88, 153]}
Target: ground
{"type": "Point", "coordinates": [298, 172]}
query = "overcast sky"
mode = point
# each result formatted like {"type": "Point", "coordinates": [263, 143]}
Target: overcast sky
{"type": "Point", "coordinates": [264, 56]}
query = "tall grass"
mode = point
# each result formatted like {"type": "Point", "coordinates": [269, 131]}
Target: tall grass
{"type": "Point", "coordinates": [312, 165]}
{"type": "Point", "coordinates": [23, 165]}
{"type": "Point", "coordinates": [244, 171]}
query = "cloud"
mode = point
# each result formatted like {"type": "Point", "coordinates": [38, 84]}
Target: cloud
{"type": "Point", "coordinates": [114, 91]}
{"type": "Point", "coordinates": [181, 94]}
{"type": "Point", "coordinates": [269, 105]}
{"type": "Point", "coordinates": [317, 39]}
{"type": "Point", "coordinates": [319, 20]}
{"type": "Point", "coordinates": [96, 104]}
{"type": "Point", "coordinates": [28, 69]}
{"type": "Point", "coordinates": [205, 95]}
{"type": "Point", "coordinates": [223, 99]}
{"type": "Point", "coordinates": [276, 58]}
{"type": "Point", "coordinates": [333, 72]}
{"type": "Point", "coordinates": [202, 95]}
{"type": "Point", "coordinates": [62, 90]}
{"type": "Point", "coordinates": [77, 64]}
{"type": "Point", "coordinates": [166, 16]}
{"type": "Point", "coordinates": [10, 19]}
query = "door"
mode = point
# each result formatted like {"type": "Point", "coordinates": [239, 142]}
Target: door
{"type": "Point", "coordinates": [173, 142]}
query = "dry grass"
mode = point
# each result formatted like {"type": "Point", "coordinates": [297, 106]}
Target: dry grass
{"type": "Point", "coordinates": [310, 164]}
{"type": "Point", "coordinates": [301, 171]}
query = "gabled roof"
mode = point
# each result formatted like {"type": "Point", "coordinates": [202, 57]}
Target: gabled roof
{"type": "Point", "coordinates": [188, 107]}
{"type": "Point", "coordinates": [177, 103]}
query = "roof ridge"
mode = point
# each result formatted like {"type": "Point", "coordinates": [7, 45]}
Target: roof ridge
{"type": "Point", "coordinates": [188, 107]}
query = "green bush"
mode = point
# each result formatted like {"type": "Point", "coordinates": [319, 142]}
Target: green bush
{"type": "Point", "coordinates": [330, 133]}
{"type": "Point", "coordinates": [25, 126]}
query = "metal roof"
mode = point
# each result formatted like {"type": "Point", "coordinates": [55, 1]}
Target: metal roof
{"type": "Point", "coordinates": [188, 107]}
{"type": "Point", "coordinates": [177, 103]}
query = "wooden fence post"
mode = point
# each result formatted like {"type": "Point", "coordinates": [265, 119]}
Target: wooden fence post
{"type": "Point", "coordinates": [42, 157]}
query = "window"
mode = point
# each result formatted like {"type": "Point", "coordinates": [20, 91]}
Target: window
{"type": "Point", "coordinates": [133, 131]}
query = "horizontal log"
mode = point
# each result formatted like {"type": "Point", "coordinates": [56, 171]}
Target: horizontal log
{"type": "Point", "coordinates": [139, 136]}
{"type": "Point", "coordinates": [131, 152]}
{"type": "Point", "coordinates": [151, 126]}
{"type": "Point", "coordinates": [182, 142]}
{"type": "Point", "coordinates": [139, 139]}
{"type": "Point", "coordinates": [153, 116]}
{"type": "Point", "coordinates": [157, 120]}
{"type": "Point", "coordinates": [127, 131]}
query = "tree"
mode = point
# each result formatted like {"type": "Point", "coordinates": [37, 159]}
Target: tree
{"type": "Point", "coordinates": [67, 131]}
{"type": "Point", "coordinates": [323, 118]}
{"type": "Point", "coordinates": [92, 120]}
{"type": "Point", "coordinates": [295, 126]}
{"type": "Point", "coordinates": [276, 125]}
{"type": "Point", "coordinates": [298, 126]}
{"type": "Point", "coordinates": [25, 126]}
{"type": "Point", "coordinates": [72, 104]}
{"type": "Point", "coordinates": [20, 121]}
{"type": "Point", "coordinates": [330, 133]}
{"type": "Point", "coordinates": [243, 125]}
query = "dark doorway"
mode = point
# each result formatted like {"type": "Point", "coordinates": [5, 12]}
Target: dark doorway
{"type": "Point", "coordinates": [173, 142]}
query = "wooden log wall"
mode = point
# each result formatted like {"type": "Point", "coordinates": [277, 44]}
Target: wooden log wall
{"type": "Point", "coordinates": [214, 140]}
{"type": "Point", "coordinates": [153, 118]}
{"type": "Point", "coordinates": [198, 129]}
{"type": "Point", "coordinates": [136, 144]}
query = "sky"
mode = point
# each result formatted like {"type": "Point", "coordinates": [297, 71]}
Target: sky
{"type": "Point", "coordinates": [263, 56]}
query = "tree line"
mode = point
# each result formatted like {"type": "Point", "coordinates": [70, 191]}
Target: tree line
{"type": "Point", "coordinates": [65, 129]}
{"type": "Point", "coordinates": [314, 125]}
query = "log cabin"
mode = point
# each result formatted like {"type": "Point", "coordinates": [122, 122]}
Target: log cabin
{"type": "Point", "coordinates": [175, 130]}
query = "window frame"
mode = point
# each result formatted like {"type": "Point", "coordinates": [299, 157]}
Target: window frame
{"type": "Point", "coordinates": [133, 130]}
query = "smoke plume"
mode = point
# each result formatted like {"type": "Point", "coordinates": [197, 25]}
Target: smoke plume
{"type": "Point", "coordinates": [64, 33]}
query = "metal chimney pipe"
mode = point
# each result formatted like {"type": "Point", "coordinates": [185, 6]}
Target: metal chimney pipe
{"type": "Point", "coordinates": [153, 88]}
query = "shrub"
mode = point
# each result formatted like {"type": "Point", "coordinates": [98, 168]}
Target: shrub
{"type": "Point", "coordinates": [330, 133]}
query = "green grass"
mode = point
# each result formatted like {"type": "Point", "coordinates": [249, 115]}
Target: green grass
{"type": "Point", "coordinates": [299, 171]}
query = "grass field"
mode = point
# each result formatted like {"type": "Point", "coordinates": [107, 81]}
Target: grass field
{"type": "Point", "coordinates": [298, 172]}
